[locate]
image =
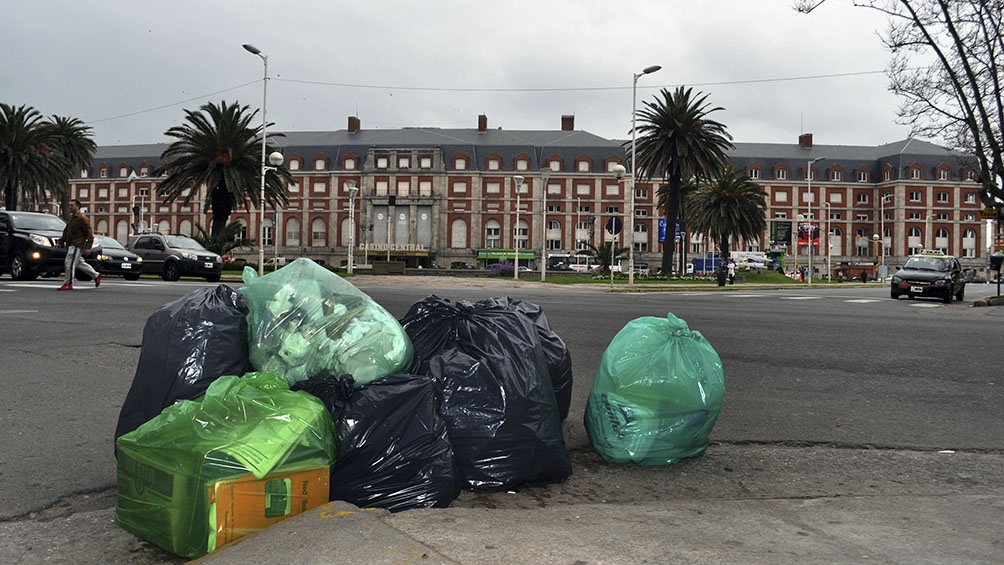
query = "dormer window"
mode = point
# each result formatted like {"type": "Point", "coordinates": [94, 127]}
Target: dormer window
{"type": "Point", "coordinates": [382, 162]}
{"type": "Point", "coordinates": [494, 164]}
{"type": "Point", "coordinates": [403, 162]}
{"type": "Point", "coordinates": [460, 164]}
{"type": "Point", "coordinates": [753, 173]}
{"type": "Point", "coordinates": [349, 164]}
{"type": "Point", "coordinates": [522, 165]}
{"type": "Point", "coordinates": [123, 171]}
{"type": "Point", "coordinates": [319, 164]}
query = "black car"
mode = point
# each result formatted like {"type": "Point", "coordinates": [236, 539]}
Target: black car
{"type": "Point", "coordinates": [930, 274]}
{"type": "Point", "coordinates": [172, 256]}
{"type": "Point", "coordinates": [114, 259]}
{"type": "Point", "coordinates": [29, 244]}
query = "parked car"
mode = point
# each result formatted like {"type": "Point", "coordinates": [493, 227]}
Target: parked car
{"type": "Point", "coordinates": [930, 273]}
{"type": "Point", "coordinates": [172, 256]}
{"type": "Point", "coordinates": [29, 245]}
{"type": "Point", "coordinates": [114, 259]}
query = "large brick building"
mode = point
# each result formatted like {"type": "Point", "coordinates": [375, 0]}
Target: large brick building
{"type": "Point", "coordinates": [448, 196]}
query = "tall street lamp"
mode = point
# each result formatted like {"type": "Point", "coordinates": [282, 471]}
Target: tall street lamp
{"type": "Point", "coordinates": [353, 190]}
{"type": "Point", "coordinates": [264, 168]}
{"type": "Point", "coordinates": [518, 180]}
{"type": "Point", "coordinates": [634, 146]}
{"type": "Point", "coordinates": [545, 173]}
{"type": "Point", "coordinates": [808, 177]}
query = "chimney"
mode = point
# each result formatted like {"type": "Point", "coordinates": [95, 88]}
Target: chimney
{"type": "Point", "coordinates": [805, 140]}
{"type": "Point", "coordinates": [482, 123]}
{"type": "Point", "coordinates": [353, 124]}
{"type": "Point", "coordinates": [568, 122]}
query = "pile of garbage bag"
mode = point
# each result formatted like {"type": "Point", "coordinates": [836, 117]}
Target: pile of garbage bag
{"type": "Point", "coordinates": [240, 396]}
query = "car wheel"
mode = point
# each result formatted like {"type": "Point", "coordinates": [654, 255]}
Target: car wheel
{"type": "Point", "coordinates": [894, 295]}
{"type": "Point", "coordinates": [19, 269]}
{"type": "Point", "coordinates": [961, 295]}
{"type": "Point", "coordinates": [213, 278]}
{"type": "Point", "coordinates": [171, 271]}
{"type": "Point", "coordinates": [131, 277]}
{"type": "Point", "coordinates": [948, 296]}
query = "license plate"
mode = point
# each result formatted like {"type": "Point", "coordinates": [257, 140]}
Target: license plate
{"type": "Point", "coordinates": [208, 265]}
{"type": "Point", "coordinates": [916, 289]}
{"type": "Point", "coordinates": [126, 265]}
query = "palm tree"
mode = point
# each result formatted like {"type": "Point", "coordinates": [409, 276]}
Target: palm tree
{"type": "Point", "coordinates": [677, 140]}
{"type": "Point", "coordinates": [72, 138]}
{"type": "Point", "coordinates": [728, 207]}
{"type": "Point", "coordinates": [219, 148]}
{"type": "Point", "coordinates": [29, 157]}
{"type": "Point", "coordinates": [225, 242]}
{"type": "Point", "coordinates": [606, 254]}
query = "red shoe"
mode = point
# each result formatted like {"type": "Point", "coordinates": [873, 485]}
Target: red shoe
{"type": "Point", "coordinates": [97, 281]}
{"type": "Point", "coordinates": [66, 286]}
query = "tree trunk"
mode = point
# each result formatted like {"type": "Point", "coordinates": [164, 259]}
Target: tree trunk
{"type": "Point", "coordinates": [672, 211]}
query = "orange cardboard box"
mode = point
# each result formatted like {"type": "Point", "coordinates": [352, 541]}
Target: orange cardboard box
{"type": "Point", "coordinates": [240, 506]}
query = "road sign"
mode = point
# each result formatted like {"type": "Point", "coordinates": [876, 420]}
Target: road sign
{"type": "Point", "coordinates": [614, 225]}
{"type": "Point", "coordinates": [988, 214]}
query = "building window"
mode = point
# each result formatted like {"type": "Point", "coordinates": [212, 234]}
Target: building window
{"type": "Point", "coordinates": [493, 234]}
{"type": "Point", "coordinates": [318, 233]}
{"type": "Point", "coordinates": [970, 198]}
{"type": "Point", "coordinates": [381, 187]}
{"type": "Point", "coordinates": [349, 164]}
{"type": "Point", "coordinates": [970, 175]}
{"type": "Point", "coordinates": [554, 164]}
{"type": "Point", "coordinates": [293, 232]}
{"type": "Point", "coordinates": [103, 173]}
{"type": "Point", "coordinates": [554, 189]}
{"type": "Point", "coordinates": [612, 189]}
{"type": "Point", "coordinates": [942, 197]}
{"type": "Point", "coordinates": [942, 216]}
{"type": "Point", "coordinates": [641, 212]}
{"type": "Point", "coordinates": [914, 196]}
{"type": "Point", "coordinates": [835, 175]}
{"type": "Point", "coordinates": [403, 162]}
{"type": "Point", "coordinates": [522, 165]}
{"type": "Point", "coordinates": [862, 198]}
{"type": "Point", "coordinates": [914, 215]}
{"type": "Point", "coordinates": [640, 238]}
{"type": "Point", "coordinates": [781, 196]}
{"type": "Point", "coordinates": [425, 188]}
{"type": "Point", "coordinates": [123, 171]}
{"type": "Point", "coordinates": [460, 187]}
{"type": "Point", "coordinates": [403, 188]}
{"type": "Point", "coordinates": [382, 162]}
{"type": "Point", "coordinates": [583, 190]}
{"type": "Point", "coordinates": [320, 187]}
{"type": "Point", "coordinates": [319, 164]}
{"type": "Point", "coordinates": [493, 188]}
{"type": "Point", "coordinates": [942, 174]}
{"type": "Point", "coordinates": [781, 174]}
{"type": "Point", "coordinates": [425, 162]}
{"type": "Point", "coordinates": [294, 165]}
{"type": "Point", "coordinates": [887, 175]}
{"type": "Point", "coordinates": [862, 176]}
{"type": "Point", "coordinates": [641, 194]}
{"type": "Point", "coordinates": [753, 173]}
{"type": "Point", "coordinates": [970, 217]}
{"type": "Point", "coordinates": [494, 164]}
{"type": "Point", "coordinates": [582, 166]}
{"type": "Point", "coordinates": [915, 173]}
{"type": "Point", "coordinates": [460, 164]}
{"type": "Point", "coordinates": [613, 209]}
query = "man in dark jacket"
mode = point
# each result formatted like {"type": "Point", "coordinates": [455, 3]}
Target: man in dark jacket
{"type": "Point", "coordinates": [78, 239]}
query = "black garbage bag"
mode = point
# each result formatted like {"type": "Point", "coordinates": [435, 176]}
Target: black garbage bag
{"type": "Point", "coordinates": [187, 344]}
{"type": "Point", "coordinates": [559, 360]}
{"type": "Point", "coordinates": [494, 392]}
{"type": "Point", "coordinates": [393, 452]}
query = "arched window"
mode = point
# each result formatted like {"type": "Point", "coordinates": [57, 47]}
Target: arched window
{"type": "Point", "coordinates": [185, 227]}
{"type": "Point", "coordinates": [458, 234]}
{"type": "Point", "coordinates": [941, 240]}
{"type": "Point", "coordinates": [318, 233]}
{"type": "Point", "coordinates": [836, 241]}
{"type": "Point", "coordinates": [915, 240]}
{"type": "Point", "coordinates": [292, 231]}
{"type": "Point", "coordinates": [493, 234]}
{"type": "Point", "coordinates": [522, 235]}
{"type": "Point", "coordinates": [640, 240]}
{"type": "Point", "coordinates": [969, 243]}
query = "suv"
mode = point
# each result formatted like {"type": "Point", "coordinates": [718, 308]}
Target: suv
{"type": "Point", "coordinates": [29, 244]}
{"type": "Point", "coordinates": [930, 273]}
{"type": "Point", "coordinates": [172, 256]}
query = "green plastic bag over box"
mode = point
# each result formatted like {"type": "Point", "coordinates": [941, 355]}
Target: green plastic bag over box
{"type": "Point", "coordinates": [305, 321]}
{"type": "Point", "coordinates": [248, 453]}
{"type": "Point", "coordinates": [657, 394]}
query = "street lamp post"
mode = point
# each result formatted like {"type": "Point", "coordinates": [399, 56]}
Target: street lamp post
{"type": "Point", "coordinates": [808, 177]}
{"type": "Point", "coordinates": [264, 125]}
{"type": "Point", "coordinates": [545, 173]}
{"type": "Point", "coordinates": [518, 180]}
{"type": "Point", "coordinates": [634, 146]}
{"type": "Point", "coordinates": [353, 190]}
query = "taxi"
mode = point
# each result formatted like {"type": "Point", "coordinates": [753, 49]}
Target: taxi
{"type": "Point", "coordinates": [931, 274]}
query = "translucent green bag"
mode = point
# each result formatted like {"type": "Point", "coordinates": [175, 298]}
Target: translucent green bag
{"type": "Point", "coordinates": [657, 394]}
{"type": "Point", "coordinates": [251, 441]}
{"type": "Point", "coordinates": [305, 321]}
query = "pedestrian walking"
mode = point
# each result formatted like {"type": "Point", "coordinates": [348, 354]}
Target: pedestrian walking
{"type": "Point", "coordinates": [78, 239]}
{"type": "Point", "coordinates": [732, 271]}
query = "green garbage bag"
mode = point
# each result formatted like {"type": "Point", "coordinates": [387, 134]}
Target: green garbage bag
{"type": "Point", "coordinates": [247, 454]}
{"type": "Point", "coordinates": [657, 394]}
{"type": "Point", "coordinates": [305, 321]}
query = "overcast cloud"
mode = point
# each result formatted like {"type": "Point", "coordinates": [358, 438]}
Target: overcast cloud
{"type": "Point", "coordinates": [130, 68]}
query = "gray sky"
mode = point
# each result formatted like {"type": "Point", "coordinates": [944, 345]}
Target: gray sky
{"type": "Point", "coordinates": [130, 68]}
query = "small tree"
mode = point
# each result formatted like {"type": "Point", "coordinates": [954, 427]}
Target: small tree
{"type": "Point", "coordinates": [224, 242]}
{"type": "Point", "coordinates": [606, 254]}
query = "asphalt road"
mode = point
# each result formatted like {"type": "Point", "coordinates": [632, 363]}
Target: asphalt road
{"type": "Point", "coordinates": [839, 372]}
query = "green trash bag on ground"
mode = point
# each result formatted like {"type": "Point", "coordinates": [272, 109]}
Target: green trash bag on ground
{"type": "Point", "coordinates": [657, 394]}
{"type": "Point", "coordinates": [205, 472]}
{"type": "Point", "coordinates": [305, 321]}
